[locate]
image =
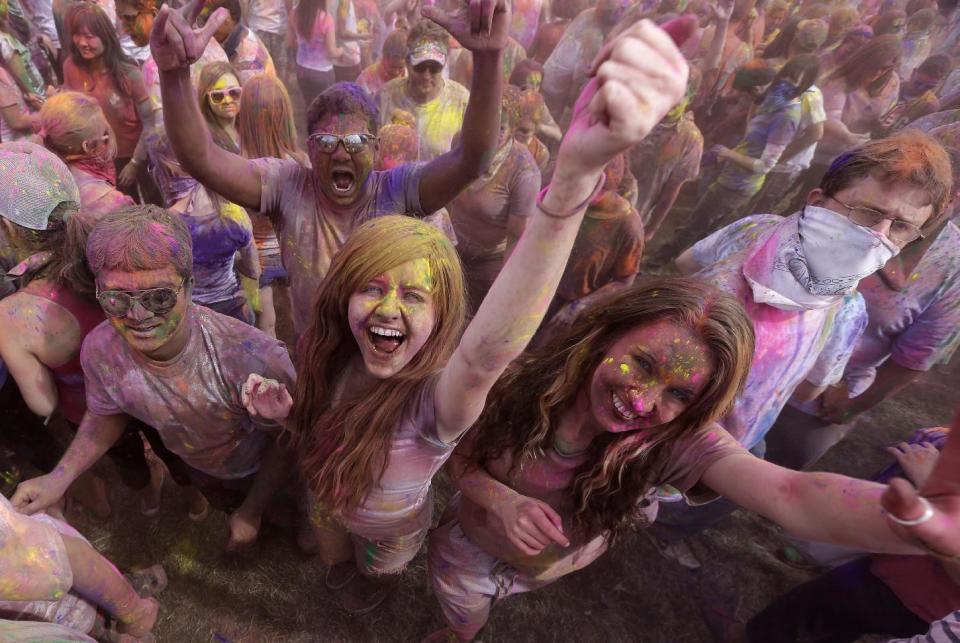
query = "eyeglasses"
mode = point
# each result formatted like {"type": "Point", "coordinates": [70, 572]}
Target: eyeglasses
{"type": "Point", "coordinates": [158, 301]}
{"type": "Point", "coordinates": [352, 143]}
{"type": "Point", "coordinates": [902, 232]}
{"type": "Point", "coordinates": [217, 96]}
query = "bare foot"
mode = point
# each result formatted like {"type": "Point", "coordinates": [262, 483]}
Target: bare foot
{"type": "Point", "coordinates": [365, 593]}
{"type": "Point", "coordinates": [91, 492]}
{"type": "Point", "coordinates": [151, 496]}
{"type": "Point", "coordinates": [142, 619]}
{"type": "Point", "coordinates": [243, 531]}
{"type": "Point", "coordinates": [199, 508]}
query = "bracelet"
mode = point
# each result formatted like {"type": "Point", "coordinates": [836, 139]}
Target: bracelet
{"type": "Point", "coordinates": [924, 517]}
{"type": "Point", "coordinates": [580, 206]}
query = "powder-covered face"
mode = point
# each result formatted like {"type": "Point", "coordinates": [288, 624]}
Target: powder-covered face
{"type": "Point", "coordinates": [341, 175]}
{"type": "Point", "coordinates": [648, 377]}
{"type": "Point", "coordinates": [902, 201]}
{"type": "Point", "coordinates": [145, 331]}
{"type": "Point", "coordinates": [394, 66]}
{"type": "Point", "coordinates": [525, 131]}
{"type": "Point", "coordinates": [89, 46]}
{"type": "Point", "coordinates": [136, 24]}
{"type": "Point", "coordinates": [393, 316]}
{"type": "Point", "coordinates": [425, 81]}
{"type": "Point", "coordinates": [228, 107]}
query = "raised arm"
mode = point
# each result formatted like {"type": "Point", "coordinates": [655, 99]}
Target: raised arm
{"type": "Point", "coordinates": [481, 27]}
{"type": "Point", "coordinates": [638, 78]}
{"type": "Point", "coordinates": [175, 46]}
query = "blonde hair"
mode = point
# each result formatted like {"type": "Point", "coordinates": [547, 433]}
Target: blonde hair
{"type": "Point", "coordinates": [344, 449]}
{"type": "Point", "coordinates": [67, 119]}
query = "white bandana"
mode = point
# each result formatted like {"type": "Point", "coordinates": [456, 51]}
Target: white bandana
{"type": "Point", "coordinates": [813, 259]}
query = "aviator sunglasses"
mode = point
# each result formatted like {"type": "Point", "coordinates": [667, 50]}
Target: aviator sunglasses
{"type": "Point", "coordinates": [217, 96]}
{"type": "Point", "coordinates": [352, 143]}
{"type": "Point", "coordinates": [158, 301]}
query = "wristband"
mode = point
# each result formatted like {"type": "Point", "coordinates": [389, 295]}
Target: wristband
{"type": "Point", "coordinates": [580, 206]}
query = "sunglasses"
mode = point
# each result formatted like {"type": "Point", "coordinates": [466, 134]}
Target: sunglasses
{"type": "Point", "coordinates": [159, 301]}
{"type": "Point", "coordinates": [217, 96]}
{"type": "Point", "coordinates": [352, 143]}
{"type": "Point", "coordinates": [430, 66]}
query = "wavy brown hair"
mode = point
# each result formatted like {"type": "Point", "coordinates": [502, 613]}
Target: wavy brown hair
{"type": "Point", "coordinates": [525, 406]}
{"type": "Point", "coordinates": [344, 449]}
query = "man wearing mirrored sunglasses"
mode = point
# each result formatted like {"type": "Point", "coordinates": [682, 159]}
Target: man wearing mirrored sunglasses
{"type": "Point", "coordinates": [175, 366]}
{"type": "Point", "coordinates": [314, 210]}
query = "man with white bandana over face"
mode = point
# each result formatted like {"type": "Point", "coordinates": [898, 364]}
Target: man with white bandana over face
{"type": "Point", "coordinates": [797, 277]}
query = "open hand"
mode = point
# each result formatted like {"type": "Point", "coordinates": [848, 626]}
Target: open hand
{"type": "Point", "coordinates": [940, 535]}
{"type": "Point", "coordinates": [265, 398]}
{"type": "Point", "coordinates": [637, 78]}
{"type": "Point", "coordinates": [128, 176]}
{"type": "Point", "coordinates": [916, 460]}
{"type": "Point", "coordinates": [836, 405]}
{"type": "Point", "coordinates": [478, 25]}
{"type": "Point", "coordinates": [529, 524]}
{"type": "Point", "coordinates": [174, 43]}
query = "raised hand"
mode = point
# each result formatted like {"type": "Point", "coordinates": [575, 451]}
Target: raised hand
{"type": "Point", "coordinates": [529, 524]}
{"type": "Point", "coordinates": [638, 78]}
{"type": "Point", "coordinates": [174, 43]}
{"type": "Point", "coordinates": [268, 399]}
{"type": "Point", "coordinates": [935, 510]}
{"type": "Point", "coordinates": [478, 25]}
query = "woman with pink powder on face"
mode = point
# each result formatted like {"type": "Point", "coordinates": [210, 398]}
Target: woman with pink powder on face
{"type": "Point", "coordinates": [386, 343]}
{"type": "Point", "coordinates": [578, 435]}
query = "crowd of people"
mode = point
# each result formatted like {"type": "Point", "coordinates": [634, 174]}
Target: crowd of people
{"type": "Point", "coordinates": [623, 266]}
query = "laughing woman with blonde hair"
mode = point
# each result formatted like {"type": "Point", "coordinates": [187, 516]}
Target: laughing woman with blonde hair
{"type": "Point", "coordinates": [387, 384]}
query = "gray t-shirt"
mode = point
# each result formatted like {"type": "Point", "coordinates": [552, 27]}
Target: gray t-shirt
{"type": "Point", "coordinates": [193, 401]}
{"type": "Point", "coordinates": [309, 236]}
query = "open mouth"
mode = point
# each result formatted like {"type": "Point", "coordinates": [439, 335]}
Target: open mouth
{"type": "Point", "coordinates": [623, 409]}
{"type": "Point", "coordinates": [385, 340]}
{"type": "Point", "coordinates": [342, 180]}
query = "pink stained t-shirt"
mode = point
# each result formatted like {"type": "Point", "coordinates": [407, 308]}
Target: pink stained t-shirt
{"type": "Point", "coordinates": [401, 502]}
{"type": "Point", "coordinates": [193, 400]}
{"type": "Point", "coordinates": [548, 478]}
{"type": "Point", "coordinates": [118, 102]}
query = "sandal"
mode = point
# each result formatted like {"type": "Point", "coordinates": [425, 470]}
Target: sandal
{"type": "Point", "coordinates": [364, 594]}
{"type": "Point", "coordinates": [201, 515]}
{"type": "Point", "coordinates": [148, 582]}
{"type": "Point", "coordinates": [339, 575]}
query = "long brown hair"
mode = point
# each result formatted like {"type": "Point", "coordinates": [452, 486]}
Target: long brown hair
{"type": "Point", "coordinates": [266, 123]}
{"type": "Point", "coordinates": [67, 266]}
{"type": "Point", "coordinates": [344, 449]}
{"type": "Point", "coordinates": [526, 404]}
{"type": "Point", "coordinates": [866, 61]}
{"type": "Point", "coordinates": [209, 75]}
{"type": "Point", "coordinates": [89, 16]}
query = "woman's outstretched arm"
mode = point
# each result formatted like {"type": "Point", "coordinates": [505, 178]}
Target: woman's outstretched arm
{"type": "Point", "coordinates": [638, 78]}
